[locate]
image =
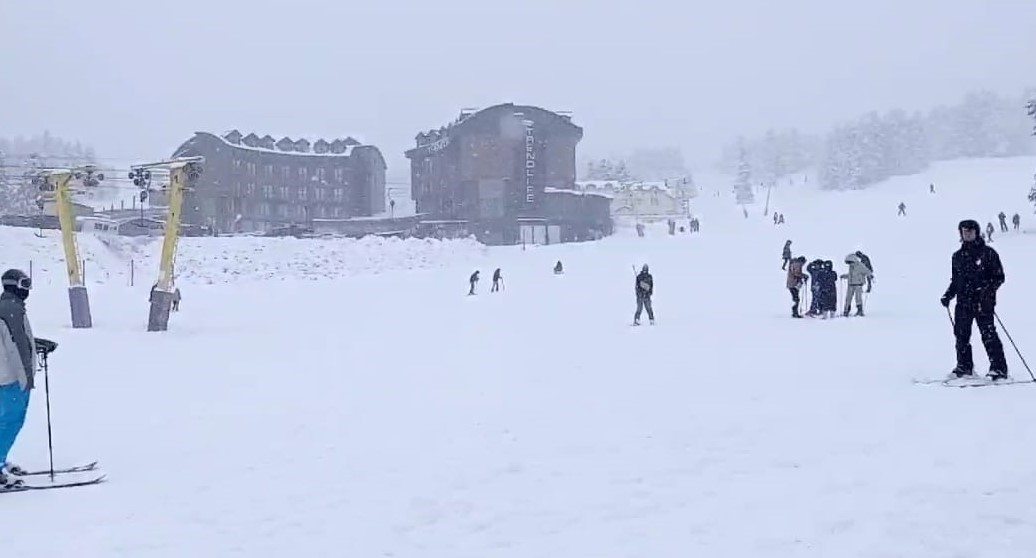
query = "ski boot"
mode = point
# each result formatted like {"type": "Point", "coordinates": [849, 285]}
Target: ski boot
{"type": "Point", "coordinates": [12, 470]}
{"type": "Point", "coordinates": [961, 372]}
{"type": "Point", "coordinates": [996, 375]}
{"type": "Point", "coordinates": [8, 482]}
{"type": "Point", "coordinates": [859, 312]}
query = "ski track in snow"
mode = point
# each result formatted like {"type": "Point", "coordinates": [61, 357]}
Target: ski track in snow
{"type": "Point", "coordinates": [378, 411]}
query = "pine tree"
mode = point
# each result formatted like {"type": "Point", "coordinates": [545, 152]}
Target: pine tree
{"type": "Point", "coordinates": [743, 186]}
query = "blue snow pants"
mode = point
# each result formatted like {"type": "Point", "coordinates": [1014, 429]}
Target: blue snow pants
{"type": "Point", "coordinates": [14, 402]}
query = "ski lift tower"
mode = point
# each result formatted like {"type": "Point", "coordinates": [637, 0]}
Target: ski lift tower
{"type": "Point", "coordinates": [183, 175]}
{"type": "Point", "coordinates": [55, 184]}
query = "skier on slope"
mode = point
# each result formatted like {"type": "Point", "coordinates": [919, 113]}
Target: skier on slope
{"type": "Point", "coordinates": [496, 281]}
{"type": "Point", "coordinates": [1016, 221]}
{"type": "Point", "coordinates": [1003, 221]}
{"type": "Point", "coordinates": [976, 275]}
{"type": "Point", "coordinates": [794, 281]}
{"type": "Point", "coordinates": [17, 366]}
{"type": "Point", "coordinates": [786, 255]}
{"type": "Point", "coordinates": [989, 232]}
{"type": "Point", "coordinates": [814, 270]}
{"type": "Point", "coordinates": [867, 262]}
{"type": "Point", "coordinates": [857, 277]}
{"type": "Point", "coordinates": [644, 287]}
{"type": "Point", "coordinates": [902, 209]}
{"type": "Point", "coordinates": [473, 280]}
{"type": "Point", "coordinates": [828, 280]}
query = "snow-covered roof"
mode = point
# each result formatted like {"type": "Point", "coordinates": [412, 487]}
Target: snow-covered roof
{"type": "Point", "coordinates": [349, 142]}
{"type": "Point", "coordinates": [549, 190]}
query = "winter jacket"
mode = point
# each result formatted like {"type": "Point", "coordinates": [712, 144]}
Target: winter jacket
{"type": "Point", "coordinates": [645, 285]}
{"type": "Point", "coordinates": [828, 291]}
{"type": "Point", "coordinates": [17, 345]}
{"type": "Point", "coordinates": [814, 270]}
{"type": "Point", "coordinates": [795, 275]}
{"type": "Point", "coordinates": [976, 273]}
{"type": "Point", "coordinates": [865, 259]}
{"type": "Point", "coordinates": [858, 273]}
{"type": "Point", "coordinates": [786, 254]}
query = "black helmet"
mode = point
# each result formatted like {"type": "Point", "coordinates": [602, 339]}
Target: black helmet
{"type": "Point", "coordinates": [969, 224]}
{"type": "Point", "coordinates": [16, 281]}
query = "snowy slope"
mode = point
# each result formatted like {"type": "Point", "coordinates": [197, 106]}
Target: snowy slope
{"type": "Point", "coordinates": [390, 415]}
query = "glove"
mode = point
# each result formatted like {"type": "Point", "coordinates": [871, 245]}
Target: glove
{"type": "Point", "coordinates": [945, 300]}
{"type": "Point", "coordinates": [45, 346]}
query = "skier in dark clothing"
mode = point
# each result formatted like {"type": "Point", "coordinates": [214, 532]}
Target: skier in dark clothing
{"type": "Point", "coordinates": [558, 269]}
{"type": "Point", "coordinates": [814, 270]}
{"type": "Point", "coordinates": [786, 255]}
{"type": "Point", "coordinates": [1003, 221]}
{"type": "Point", "coordinates": [902, 209]}
{"type": "Point", "coordinates": [828, 280]}
{"type": "Point", "coordinates": [1016, 221]}
{"type": "Point", "coordinates": [496, 281]}
{"type": "Point", "coordinates": [474, 281]}
{"type": "Point", "coordinates": [989, 232]}
{"type": "Point", "coordinates": [976, 275]}
{"type": "Point", "coordinates": [644, 286]}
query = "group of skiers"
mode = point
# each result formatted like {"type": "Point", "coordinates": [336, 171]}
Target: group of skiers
{"type": "Point", "coordinates": [823, 281]}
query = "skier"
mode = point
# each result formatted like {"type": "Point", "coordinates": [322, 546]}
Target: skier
{"type": "Point", "coordinates": [774, 217]}
{"type": "Point", "coordinates": [828, 281]}
{"type": "Point", "coordinates": [857, 277]}
{"type": "Point", "coordinates": [902, 209]}
{"type": "Point", "coordinates": [558, 270]}
{"type": "Point", "coordinates": [1016, 220]}
{"type": "Point", "coordinates": [176, 300]}
{"type": "Point", "coordinates": [814, 270]}
{"type": "Point", "coordinates": [496, 281]}
{"type": "Point", "coordinates": [976, 275]}
{"type": "Point", "coordinates": [644, 287]}
{"type": "Point", "coordinates": [17, 365]}
{"type": "Point", "coordinates": [474, 281]}
{"type": "Point", "coordinates": [989, 232]}
{"type": "Point", "coordinates": [795, 280]}
{"type": "Point", "coordinates": [1003, 221]}
{"type": "Point", "coordinates": [780, 219]}
{"type": "Point", "coordinates": [931, 188]}
{"type": "Point", "coordinates": [867, 262]}
{"type": "Point", "coordinates": [786, 255]}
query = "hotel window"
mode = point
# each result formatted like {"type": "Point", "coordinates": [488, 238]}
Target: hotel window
{"type": "Point", "coordinates": [264, 209]}
{"type": "Point", "coordinates": [285, 172]}
{"type": "Point", "coordinates": [303, 193]}
{"type": "Point", "coordinates": [284, 192]}
{"type": "Point", "coordinates": [303, 173]}
{"type": "Point", "coordinates": [267, 191]}
{"type": "Point", "coordinates": [339, 194]}
{"type": "Point", "coordinates": [339, 175]}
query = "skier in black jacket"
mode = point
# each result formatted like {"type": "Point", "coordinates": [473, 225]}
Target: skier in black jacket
{"type": "Point", "coordinates": [976, 276]}
{"type": "Point", "coordinates": [644, 287]}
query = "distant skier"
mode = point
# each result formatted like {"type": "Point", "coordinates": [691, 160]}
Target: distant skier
{"type": "Point", "coordinates": [796, 278]}
{"type": "Point", "coordinates": [1003, 222]}
{"type": "Point", "coordinates": [644, 287]}
{"type": "Point", "coordinates": [786, 255]}
{"type": "Point", "coordinates": [473, 280]}
{"type": "Point", "coordinates": [780, 219]}
{"type": "Point", "coordinates": [902, 209]}
{"type": "Point", "coordinates": [989, 232]}
{"type": "Point", "coordinates": [176, 300]}
{"type": "Point", "coordinates": [857, 278]}
{"type": "Point", "coordinates": [815, 269]}
{"type": "Point", "coordinates": [867, 262]}
{"type": "Point", "coordinates": [1016, 221]}
{"type": "Point", "coordinates": [774, 217]}
{"type": "Point", "coordinates": [496, 281]}
{"type": "Point", "coordinates": [17, 365]}
{"type": "Point", "coordinates": [931, 188]}
{"type": "Point", "coordinates": [828, 280]}
{"type": "Point", "coordinates": [558, 269]}
{"type": "Point", "coordinates": [976, 275]}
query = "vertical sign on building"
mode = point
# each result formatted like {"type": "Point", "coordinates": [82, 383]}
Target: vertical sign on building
{"type": "Point", "coordinates": [530, 163]}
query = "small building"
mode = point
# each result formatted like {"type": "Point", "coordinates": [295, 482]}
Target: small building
{"type": "Point", "coordinates": [50, 208]}
{"type": "Point", "coordinates": [641, 200]}
{"type": "Point", "coordinates": [502, 174]}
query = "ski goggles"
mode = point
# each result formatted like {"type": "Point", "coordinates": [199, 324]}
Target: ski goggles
{"type": "Point", "coordinates": [23, 283]}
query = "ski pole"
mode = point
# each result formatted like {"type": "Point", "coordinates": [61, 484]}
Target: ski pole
{"type": "Point", "coordinates": [950, 316]}
{"type": "Point", "coordinates": [1008, 334]}
{"type": "Point", "coordinates": [50, 436]}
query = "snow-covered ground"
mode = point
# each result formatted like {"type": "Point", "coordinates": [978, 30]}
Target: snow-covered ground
{"type": "Point", "coordinates": [388, 414]}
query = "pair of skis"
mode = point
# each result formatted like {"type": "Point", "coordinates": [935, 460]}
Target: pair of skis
{"type": "Point", "coordinates": [965, 382]}
{"type": "Point", "coordinates": [26, 480]}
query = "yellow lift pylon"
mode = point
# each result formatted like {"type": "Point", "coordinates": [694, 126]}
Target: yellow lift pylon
{"type": "Point", "coordinates": [58, 184]}
{"type": "Point", "coordinates": [183, 175]}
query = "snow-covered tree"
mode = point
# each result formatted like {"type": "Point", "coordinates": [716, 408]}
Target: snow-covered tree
{"type": "Point", "coordinates": [743, 185]}
{"type": "Point", "coordinates": [607, 169]}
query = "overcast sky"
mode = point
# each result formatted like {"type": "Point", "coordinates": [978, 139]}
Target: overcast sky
{"type": "Point", "coordinates": [134, 79]}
